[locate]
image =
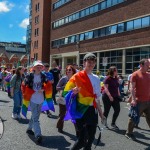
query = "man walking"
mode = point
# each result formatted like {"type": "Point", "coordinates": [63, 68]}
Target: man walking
{"type": "Point", "coordinates": [140, 91]}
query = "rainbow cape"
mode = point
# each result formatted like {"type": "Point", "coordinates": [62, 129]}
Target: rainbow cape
{"type": "Point", "coordinates": [27, 93]}
{"type": "Point", "coordinates": [78, 105]}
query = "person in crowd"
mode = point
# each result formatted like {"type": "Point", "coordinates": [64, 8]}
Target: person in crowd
{"type": "Point", "coordinates": [111, 95]}
{"type": "Point", "coordinates": [34, 83]}
{"type": "Point", "coordinates": [76, 67]}
{"type": "Point", "coordinates": [87, 87]}
{"type": "Point", "coordinates": [7, 80]}
{"type": "Point", "coordinates": [80, 68]}
{"type": "Point", "coordinates": [25, 72]}
{"type": "Point", "coordinates": [4, 74]}
{"type": "Point", "coordinates": [140, 91]}
{"type": "Point", "coordinates": [121, 86]}
{"type": "Point", "coordinates": [0, 78]}
{"type": "Point", "coordinates": [50, 77]}
{"type": "Point", "coordinates": [70, 71]}
{"type": "Point", "coordinates": [56, 74]}
{"type": "Point", "coordinates": [16, 94]}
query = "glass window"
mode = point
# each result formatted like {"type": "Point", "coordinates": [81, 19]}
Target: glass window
{"type": "Point", "coordinates": [120, 27]}
{"type": "Point", "coordinates": [113, 53]}
{"type": "Point", "coordinates": [103, 5]}
{"type": "Point", "coordinates": [70, 18]}
{"type": "Point", "coordinates": [92, 10]}
{"type": "Point", "coordinates": [77, 38]}
{"type": "Point", "coordinates": [129, 66]}
{"type": "Point", "coordinates": [86, 35]}
{"type": "Point", "coordinates": [145, 21]}
{"type": "Point", "coordinates": [62, 41]}
{"type": "Point", "coordinates": [66, 40]}
{"type": "Point", "coordinates": [145, 50]}
{"type": "Point", "coordinates": [119, 53]}
{"type": "Point", "coordinates": [120, 1]}
{"type": "Point", "coordinates": [82, 13]}
{"type": "Point", "coordinates": [62, 21]}
{"type": "Point", "coordinates": [114, 2]}
{"type": "Point", "coordinates": [73, 17]}
{"type": "Point", "coordinates": [114, 29]}
{"type": "Point", "coordinates": [87, 11]}
{"type": "Point", "coordinates": [129, 25]}
{"type": "Point", "coordinates": [108, 30]}
{"type": "Point", "coordinates": [107, 54]}
{"type": "Point", "coordinates": [135, 65]}
{"type": "Point", "coordinates": [66, 19]}
{"type": "Point", "coordinates": [108, 3]}
{"type": "Point", "coordinates": [136, 51]}
{"type": "Point", "coordinates": [113, 59]}
{"type": "Point", "coordinates": [91, 35]}
{"type": "Point", "coordinates": [119, 66]}
{"type": "Point", "coordinates": [96, 8]}
{"type": "Point", "coordinates": [129, 52]}
{"type": "Point", "coordinates": [77, 15]}
{"type": "Point", "coordinates": [96, 33]}
{"type": "Point", "coordinates": [119, 59]}
{"type": "Point", "coordinates": [73, 39]}
{"type": "Point", "coordinates": [102, 32]}
{"type": "Point", "coordinates": [136, 58]}
{"type": "Point", "coordinates": [69, 39]}
{"type": "Point", "coordinates": [137, 23]}
{"type": "Point", "coordinates": [82, 37]}
{"type": "Point", "coordinates": [128, 58]}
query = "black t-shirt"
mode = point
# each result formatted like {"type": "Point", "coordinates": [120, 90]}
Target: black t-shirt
{"type": "Point", "coordinates": [55, 73]}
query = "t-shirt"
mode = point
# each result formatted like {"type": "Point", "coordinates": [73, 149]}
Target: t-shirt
{"type": "Point", "coordinates": [62, 82]}
{"type": "Point", "coordinates": [142, 86]}
{"type": "Point", "coordinates": [49, 75]}
{"type": "Point", "coordinates": [129, 77]}
{"type": "Point", "coordinates": [55, 73]}
{"type": "Point", "coordinates": [37, 97]}
{"type": "Point", "coordinates": [113, 85]}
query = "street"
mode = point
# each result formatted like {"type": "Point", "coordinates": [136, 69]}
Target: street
{"type": "Point", "coordinates": [15, 137]}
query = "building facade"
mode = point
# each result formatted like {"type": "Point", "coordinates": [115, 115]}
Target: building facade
{"type": "Point", "coordinates": [117, 31]}
{"type": "Point", "coordinates": [40, 33]}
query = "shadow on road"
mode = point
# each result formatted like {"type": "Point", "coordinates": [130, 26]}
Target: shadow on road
{"type": "Point", "coordinates": [4, 101]}
{"type": "Point", "coordinates": [23, 121]}
{"type": "Point", "coordinates": [72, 137]}
{"type": "Point", "coordinates": [53, 142]}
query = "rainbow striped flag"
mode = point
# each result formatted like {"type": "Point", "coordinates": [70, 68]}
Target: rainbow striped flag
{"type": "Point", "coordinates": [78, 105]}
{"type": "Point", "coordinates": [27, 93]}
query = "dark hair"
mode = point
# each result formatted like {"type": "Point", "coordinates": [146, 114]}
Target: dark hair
{"type": "Point", "coordinates": [73, 70]}
{"type": "Point", "coordinates": [142, 61]}
{"type": "Point", "coordinates": [18, 71]}
{"type": "Point", "coordinates": [111, 71]}
{"type": "Point", "coordinates": [46, 65]}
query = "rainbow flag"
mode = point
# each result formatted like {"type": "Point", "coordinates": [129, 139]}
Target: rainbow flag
{"type": "Point", "coordinates": [27, 93]}
{"type": "Point", "coordinates": [78, 105]}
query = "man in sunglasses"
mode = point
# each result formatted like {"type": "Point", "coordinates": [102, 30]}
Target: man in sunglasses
{"type": "Point", "coordinates": [87, 86]}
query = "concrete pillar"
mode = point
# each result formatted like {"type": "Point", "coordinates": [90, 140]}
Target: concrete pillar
{"type": "Point", "coordinates": [63, 64]}
{"type": "Point", "coordinates": [98, 61]}
{"type": "Point", "coordinates": [78, 59]}
{"type": "Point", "coordinates": [123, 61]}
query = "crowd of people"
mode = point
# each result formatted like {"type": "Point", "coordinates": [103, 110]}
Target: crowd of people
{"type": "Point", "coordinates": [35, 89]}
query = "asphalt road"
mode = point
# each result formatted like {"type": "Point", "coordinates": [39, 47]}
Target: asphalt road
{"type": "Point", "coordinates": [15, 137]}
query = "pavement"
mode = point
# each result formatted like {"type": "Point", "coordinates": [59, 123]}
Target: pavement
{"type": "Point", "coordinates": [15, 137]}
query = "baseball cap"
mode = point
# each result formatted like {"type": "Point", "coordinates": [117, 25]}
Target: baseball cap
{"type": "Point", "coordinates": [89, 56]}
{"type": "Point", "coordinates": [37, 63]}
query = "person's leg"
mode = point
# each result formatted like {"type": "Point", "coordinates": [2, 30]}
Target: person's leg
{"type": "Point", "coordinates": [91, 129]}
{"type": "Point", "coordinates": [116, 107]}
{"type": "Point", "coordinates": [54, 93]}
{"type": "Point", "coordinates": [147, 113]}
{"type": "Point", "coordinates": [19, 103]}
{"type": "Point", "coordinates": [62, 112]}
{"type": "Point", "coordinates": [15, 107]}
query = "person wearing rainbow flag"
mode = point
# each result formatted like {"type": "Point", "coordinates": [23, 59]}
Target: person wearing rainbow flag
{"type": "Point", "coordinates": [36, 88]}
{"type": "Point", "coordinates": [86, 86]}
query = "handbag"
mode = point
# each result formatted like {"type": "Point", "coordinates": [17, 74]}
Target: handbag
{"type": "Point", "coordinates": [60, 99]}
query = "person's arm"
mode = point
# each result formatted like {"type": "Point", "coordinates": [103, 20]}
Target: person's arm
{"type": "Point", "coordinates": [107, 92]}
{"type": "Point", "coordinates": [61, 84]}
{"type": "Point", "coordinates": [133, 93]}
{"type": "Point", "coordinates": [118, 92]}
{"type": "Point", "coordinates": [12, 84]}
{"type": "Point", "coordinates": [99, 108]}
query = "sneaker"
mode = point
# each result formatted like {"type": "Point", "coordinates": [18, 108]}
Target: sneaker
{"type": "Point", "coordinates": [115, 127]}
{"type": "Point", "coordinates": [38, 139]}
{"type": "Point", "coordinates": [19, 116]}
{"type": "Point", "coordinates": [30, 132]}
{"type": "Point", "coordinates": [14, 116]}
{"type": "Point", "coordinates": [130, 136]}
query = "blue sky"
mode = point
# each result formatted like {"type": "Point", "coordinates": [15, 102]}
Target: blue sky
{"type": "Point", "coordinates": [14, 18]}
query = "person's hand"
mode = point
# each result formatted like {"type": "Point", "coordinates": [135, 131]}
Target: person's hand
{"type": "Point", "coordinates": [111, 98]}
{"type": "Point", "coordinates": [76, 90]}
{"type": "Point", "coordinates": [41, 91]}
{"type": "Point", "coordinates": [133, 103]}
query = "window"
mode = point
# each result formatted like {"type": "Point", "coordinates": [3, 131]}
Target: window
{"type": "Point", "coordinates": [73, 39]}
{"type": "Point", "coordinates": [92, 10]}
{"type": "Point", "coordinates": [137, 23]}
{"type": "Point", "coordinates": [103, 5]}
{"type": "Point", "coordinates": [87, 11]}
{"type": "Point", "coordinates": [96, 33]}
{"type": "Point", "coordinates": [62, 41]}
{"type": "Point", "coordinates": [81, 37]}
{"type": "Point", "coordinates": [114, 2]}
{"type": "Point", "coordinates": [37, 32]}
{"type": "Point", "coordinates": [82, 13]}
{"type": "Point", "coordinates": [102, 32]}
{"type": "Point", "coordinates": [66, 40]}
{"type": "Point", "coordinates": [114, 29]}
{"type": "Point", "coordinates": [66, 19]}
{"type": "Point", "coordinates": [129, 25]}
{"type": "Point", "coordinates": [108, 30]}
{"type": "Point", "coordinates": [108, 3]}
{"type": "Point", "coordinates": [120, 27]}
{"type": "Point", "coordinates": [70, 18]}
{"type": "Point", "coordinates": [145, 21]}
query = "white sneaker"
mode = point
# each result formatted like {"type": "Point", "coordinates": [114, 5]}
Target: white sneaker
{"type": "Point", "coordinates": [14, 116]}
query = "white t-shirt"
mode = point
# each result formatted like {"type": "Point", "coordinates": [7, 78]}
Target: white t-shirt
{"type": "Point", "coordinates": [129, 77]}
{"type": "Point", "coordinates": [37, 97]}
{"type": "Point", "coordinates": [96, 85]}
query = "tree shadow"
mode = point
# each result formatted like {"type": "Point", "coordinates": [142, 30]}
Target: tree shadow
{"type": "Point", "coordinates": [4, 101]}
{"type": "Point", "coordinates": [23, 121]}
{"type": "Point", "coordinates": [53, 142]}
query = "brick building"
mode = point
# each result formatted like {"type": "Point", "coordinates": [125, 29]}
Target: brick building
{"type": "Point", "coordinates": [40, 26]}
{"type": "Point", "coordinates": [117, 31]}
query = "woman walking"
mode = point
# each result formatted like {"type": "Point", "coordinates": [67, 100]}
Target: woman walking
{"type": "Point", "coordinates": [15, 85]}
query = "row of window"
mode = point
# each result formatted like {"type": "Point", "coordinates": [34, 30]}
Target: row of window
{"type": "Point", "coordinates": [60, 3]}
{"type": "Point", "coordinates": [110, 30]}
{"type": "Point", "coordinates": [85, 12]}
{"type": "Point", "coordinates": [37, 7]}
{"type": "Point", "coordinates": [36, 32]}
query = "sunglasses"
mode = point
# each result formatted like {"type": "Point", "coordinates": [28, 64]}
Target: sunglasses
{"type": "Point", "coordinates": [68, 69]}
{"type": "Point", "coordinates": [91, 58]}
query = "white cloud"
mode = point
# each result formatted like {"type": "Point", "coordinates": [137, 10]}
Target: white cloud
{"type": "Point", "coordinates": [5, 6]}
{"type": "Point", "coordinates": [24, 38]}
{"type": "Point", "coordinates": [24, 23]}
{"type": "Point", "coordinates": [27, 9]}
{"type": "Point", "coordinates": [11, 25]}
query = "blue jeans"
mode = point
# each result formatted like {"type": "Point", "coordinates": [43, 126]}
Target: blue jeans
{"type": "Point", "coordinates": [34, 121]}
{"type": "Point", "coordinates": [17, 102]}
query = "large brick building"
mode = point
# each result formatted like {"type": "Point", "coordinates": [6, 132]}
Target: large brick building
{"type": "Point", "coordinates": [115, 30]}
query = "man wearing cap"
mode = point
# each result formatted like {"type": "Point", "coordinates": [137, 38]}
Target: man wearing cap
{"type": "Point", "coordinates": [35, 83]}
{"type": "Point", "coordinates": [87, 87]}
